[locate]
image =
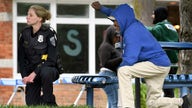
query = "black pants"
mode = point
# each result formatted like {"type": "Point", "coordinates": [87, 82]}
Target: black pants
{"type": "Point", "coordinates": [170, 92]}
{"type": "Point", "coordinates": [42, 82]}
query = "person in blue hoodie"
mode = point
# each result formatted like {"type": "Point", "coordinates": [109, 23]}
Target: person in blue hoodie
{"type": "Point", "coordinates": [142, 57]}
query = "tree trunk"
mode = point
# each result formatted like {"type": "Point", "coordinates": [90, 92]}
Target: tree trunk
{"type": "Point", "coordinates": [143, 10]}
{"type": "Point", "coordinates": [185, 57]}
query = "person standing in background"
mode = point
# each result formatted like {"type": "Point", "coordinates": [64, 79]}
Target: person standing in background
{"type": "Point", "coordinates": [37, 58]}
{"type": "Point", "coordinates": [110, 58]}
{"type": "Point", "coordinates": [164, 31]}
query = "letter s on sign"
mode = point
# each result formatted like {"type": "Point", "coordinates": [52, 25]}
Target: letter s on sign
{"type": "Point", "coordinates": [70, 37]}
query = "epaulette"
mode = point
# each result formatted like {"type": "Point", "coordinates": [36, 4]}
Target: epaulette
{"type": "Point", "coordinates": [52, 30]}
{"type": "Point", "coordinates": [45, 27]}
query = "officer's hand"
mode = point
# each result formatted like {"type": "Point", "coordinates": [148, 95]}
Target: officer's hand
{"type": "Point", "coordinates": [31, 77]}
{"type": "Point", "coordinates": [24, 80]}
{"type": "Point", "coordinates": [96, 5]}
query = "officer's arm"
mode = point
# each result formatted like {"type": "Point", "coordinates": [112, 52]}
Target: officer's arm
{"type": "Point", "coordinates": [21, 57]}
{"type": "Point", "coordinates": [52, 55]}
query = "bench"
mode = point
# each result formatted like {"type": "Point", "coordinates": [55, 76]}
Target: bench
{"type": "Point", "coordinates": [91, 82]}
{"type": "Point", "coordinates": [181, 81]}
{"type": "Point", "coordinates": [171, 81]}
{"type": "Point", "coordinates": [17, 84]}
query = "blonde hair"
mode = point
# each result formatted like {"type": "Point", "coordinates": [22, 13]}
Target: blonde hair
{"type": "Point", "coordinates": [41, 12]}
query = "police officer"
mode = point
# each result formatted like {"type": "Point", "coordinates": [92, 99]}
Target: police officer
{"type": "Point", "coordinates": [37, 58]}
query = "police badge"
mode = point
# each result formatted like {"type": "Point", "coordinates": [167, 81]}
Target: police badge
{"type": "Point", "coordinates": [40, 38]}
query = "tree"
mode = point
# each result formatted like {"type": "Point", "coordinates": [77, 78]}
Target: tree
{"type": "Point", "coordinates": [185, 57]}
{"type": "Point", "coordinates": [143, 10]}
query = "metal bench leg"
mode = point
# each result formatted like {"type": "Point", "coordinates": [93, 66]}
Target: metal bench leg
{"type": "Point", "coordinates": [23, 95]}
{"type": "Point", "coordinates": [79, 96]}
{"type": "Point", "coordinates": [90, 97]}
{"type": "Point", "coordinates": [137, 93]}
{"type": "Point", "coordinates": [13, 94]}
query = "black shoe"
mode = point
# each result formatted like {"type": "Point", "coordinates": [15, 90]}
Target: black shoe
{"type": "Point", "coordinates": [187, 101]}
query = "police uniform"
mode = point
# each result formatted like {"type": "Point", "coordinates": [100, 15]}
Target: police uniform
{"type": "Point", "coordinates": [37, 53]}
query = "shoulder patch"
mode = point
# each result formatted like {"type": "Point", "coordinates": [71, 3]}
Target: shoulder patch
{"type": "Point", "coordinates": [53, 41]}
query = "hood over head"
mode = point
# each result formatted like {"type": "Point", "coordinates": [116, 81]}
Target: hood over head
{"type": "Point", "coordinates": [124, 15]}
{"type": "Point", "coordinates": [110, 33]}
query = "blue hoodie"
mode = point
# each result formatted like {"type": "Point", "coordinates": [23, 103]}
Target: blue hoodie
{"type": "Point", "coordinates": [139, 44]}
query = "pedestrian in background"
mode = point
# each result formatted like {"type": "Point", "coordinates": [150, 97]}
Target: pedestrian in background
{"type": "Point", "coordinates": [110, 58]}
{"type": "Point", "coordinates": [164, 31]}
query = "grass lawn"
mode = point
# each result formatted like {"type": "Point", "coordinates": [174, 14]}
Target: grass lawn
{"type": "Point", "coordinates": [143, 100]}
{"type": "Point", "coordinates": [44, 106]}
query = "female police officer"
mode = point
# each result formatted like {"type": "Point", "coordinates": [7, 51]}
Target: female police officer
{"type": "Point", "coordinates": [37, 58]}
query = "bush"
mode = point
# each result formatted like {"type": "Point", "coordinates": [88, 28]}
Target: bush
{"type": "Point", "coordinates": [142, 94]}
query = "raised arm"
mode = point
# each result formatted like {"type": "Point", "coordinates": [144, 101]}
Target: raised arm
{"type": "Point", "coordinates": [97, 6]}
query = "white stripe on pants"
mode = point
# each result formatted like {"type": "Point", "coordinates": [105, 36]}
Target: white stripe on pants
{"type": "Point", "coordinates": [154, 78]}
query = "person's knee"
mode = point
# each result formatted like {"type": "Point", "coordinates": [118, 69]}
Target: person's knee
{"type": "Point", "coordinates": [48, 73]}
{"type": "Point", "coordinates": [45, 72]}
{"type": "Point", "coordinates": [124, 71]}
